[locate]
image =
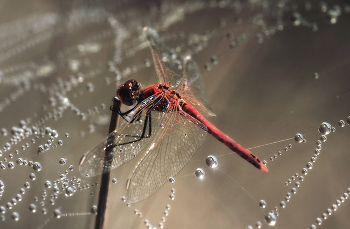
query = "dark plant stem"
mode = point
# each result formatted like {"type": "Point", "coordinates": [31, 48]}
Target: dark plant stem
{"type": "Point", "coordinates": [103, 195]}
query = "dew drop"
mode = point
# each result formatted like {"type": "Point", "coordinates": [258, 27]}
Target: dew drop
{"type": "Point", "coordinates": [270, 219]}
{"type": "Point", "coordinates": [114, 180]}
{"type": "Point", "coordinates": [62, 161]}
{"type": "Point", "coordinates": [32, 176]}
{"type": "Point", "coordinates": [171, 179]}
{"type": "Point", "coordinates": [37, 166]}
{"type": "Point", "coordinates": [67, 135]}
{"type": "Point", "coordinates": [262, 203]}
{"type": "Point", "coordinates": [93, 209]}
{"type": "Point", "coordinates": [11, 165]}
{"type": "Point", "coordinates": [324, 215]}
{"type": "Point", "coordinates": [15, 216]}
{"type": "Point", "coordinates": [323, 138]}
{"type": "Point", "coordinates": [60, 142]}
{"type": "Point", "coordinates": [172, 196]}
{"type": "Point", "coordinates": [325, 128]}
{"type": "Point", "coordinates": [57, 213]}
{"type": "Point", "coordinates": [69, 191]}
{"type": "Point", "coordinates": [309, 165]}
{"type": "Point", "coordinates": [19, 197]}
{"type": "Point", "coordinates": [41, 149]}
{"type": "Point", "coordinates": [199, 173]}
{"type": "Point", "coordinates": [304, 171]}
{"type": "Point", "coordinates": [283, 204]}
{"type": "Point", "coordinates": [27, 185]}
{"type": "Point", "coordinates": [329, 211]}
{"type": "Point", "coordinates": [341, 123]}
{"type": "Point", "coordinates": [211, 161]}
{"type": "Point", "coordinates": [90, 87]}
{"type": "Point", "coordinates": [334, 207]}
{"type": "Point", "coordinates": [258, 224]}
{"type": "Point", "coordinates": [48, 184]}
{"type": "Point", "coordinates": [2, 209]}
{"type": "Point", "coordinates": [32, 208]}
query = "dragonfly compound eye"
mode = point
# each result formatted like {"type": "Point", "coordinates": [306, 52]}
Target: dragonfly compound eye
{"type": "Point", "coordinates": [127, 92]}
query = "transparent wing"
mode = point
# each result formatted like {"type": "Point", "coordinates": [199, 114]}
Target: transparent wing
{"type": "Point", "coordinates": [123, 144]}
{"type": "Point", "coordinates": [193, 90]}
{"type": "Point", "coordinates": [170, 151]}
{"type": "Point", "coordinates": [184, 77]}
{"type": "Point", "coordinates": [169, 70]}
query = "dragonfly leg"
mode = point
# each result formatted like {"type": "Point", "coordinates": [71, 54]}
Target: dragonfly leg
{"type": "Point", "coordinates": [143, 134]}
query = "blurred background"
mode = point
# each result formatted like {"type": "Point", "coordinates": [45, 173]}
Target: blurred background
{"type": "Point", "coordinates": [274, 71]}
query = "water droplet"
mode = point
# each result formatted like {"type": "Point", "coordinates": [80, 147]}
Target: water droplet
{"type": "Point", "coordinates": [324, 215]}
{"type": "Point", "coordinates": [334, 207]}
{"type": "Point", "coordinates": [2, 209]}
{"type": "Point", "coordinates": [90, 87]}
{"type": "Point", "coordinates": [325, 128]}
{"type": "Point", "coordinates": [37, 166]}
{"type": "Point", "coordinates": [69, 191]}
{"type": "Point", "coordinates": [258, 224]}
{"type": "Point", "coordinates": [214, 59]}
{"type": "Point", "coordinates": [316, 75]}
{"type": "Point", "coordinates": [27, 185]}
{"type": "Point", "coordinates": [329, 211]}
{"type": "Point", "coordinates": [11, 165]}
{"type": "Point", "coordinates": [211, 161]}
{"type": "Point", "coordinates": [114, 180]}
{"type": "Point", "coordinates": [283, 204]}
{"type": "Point", "coordinates": [270, 219]}
{"type": "Point", "coordinates": [171, 179]}
{"type": "Point", "coordinates": [60, 142]}
{"type": "Point", "coordinates": [32, 176]}
{"type": "Point", "coordinates": [67, 135]}
{"type": "Point", "coordinates": [341, 123]}
{"type": "Point", "coordinates": [57, 213]}
{"type": "Point", "coordinates": [309, 165]}
{"type": "Point", "coordinates": [15, 216]}
{"type": "Point", "coordinates": [199, 173]}
{"type": "Point", "coordinates": [32, 208]}
{"type": "Point", "coordinates": [172, 196]}
{"type": "Point", "coordinates": [338, 202]}
{"type": "Point", "coordinates": [294, 190]}
{"type": "Point", "coordinates": [62, 161]}
{"type": "Point", "coordinates": [262, 203]}
{"type": "Point", "coordinates": [93, 209]}
{"type": "Point", "coordinates": [4, 132]}
{"type": "Point", "coordinates": [48, 184]}
{"type": "Point", "coordinates": [304, 171]}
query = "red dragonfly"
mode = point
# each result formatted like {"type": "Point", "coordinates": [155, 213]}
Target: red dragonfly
{"type": "Point", "coordinates": [166, 124]}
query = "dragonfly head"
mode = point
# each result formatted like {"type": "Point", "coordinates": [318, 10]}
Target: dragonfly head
{"type": "Point", "coordinates": [128, 92]}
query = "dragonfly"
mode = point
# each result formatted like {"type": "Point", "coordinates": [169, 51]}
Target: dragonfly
{"type": "Point", "coordinates": [166, 125]}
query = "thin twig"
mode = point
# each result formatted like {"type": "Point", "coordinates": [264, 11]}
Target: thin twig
{"type": "Point", "coordinates": [102, 198]}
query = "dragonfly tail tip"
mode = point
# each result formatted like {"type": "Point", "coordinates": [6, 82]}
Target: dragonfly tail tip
{"type": "Point", "coordinates": [264, 168]}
